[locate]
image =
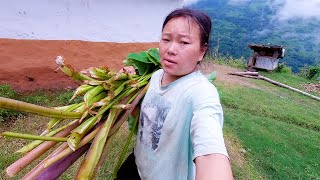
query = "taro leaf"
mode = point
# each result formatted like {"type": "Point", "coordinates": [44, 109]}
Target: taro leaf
{"type": "Point", "coordinates": [155, 62]}
{"type": "Point", "coordinates": [212, 76]}
{"type": "Point", "coordinates": [142, 57]}
{"type": "Point", "coordinates": [142, 67]}
{"type": "Point", "coordinates": [154, 53]}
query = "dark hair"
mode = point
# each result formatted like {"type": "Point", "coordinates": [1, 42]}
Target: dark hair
{"type": "Point", "coordinates": [198, 17]}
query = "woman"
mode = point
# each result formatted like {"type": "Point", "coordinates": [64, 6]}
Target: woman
{"type": "Point", "coordinates": [180, 126]}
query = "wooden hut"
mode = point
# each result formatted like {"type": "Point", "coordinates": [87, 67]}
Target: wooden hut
{"type": "Point", "coordinates": [265, 57]}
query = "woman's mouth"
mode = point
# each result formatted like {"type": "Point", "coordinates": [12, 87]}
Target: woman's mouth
{"type": "Point", "coordinates": [168, 62]}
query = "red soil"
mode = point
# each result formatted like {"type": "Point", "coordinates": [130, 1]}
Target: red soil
{"type": "Point", "coordinates": [30, 64]}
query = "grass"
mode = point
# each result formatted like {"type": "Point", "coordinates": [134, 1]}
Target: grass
{"type": "Point", "coordinates": [288, 79]}
{"type": "Point", "coordinates": [270, 132]}
{"type": "Point", "coordinates": [279, 129]}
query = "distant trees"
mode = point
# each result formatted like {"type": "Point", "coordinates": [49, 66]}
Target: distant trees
{"type": "Point", "coordinates": [239, 25]}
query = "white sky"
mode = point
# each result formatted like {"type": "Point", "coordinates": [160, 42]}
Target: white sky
{"type": "Point", "coordinates": [289, 9]}
{"type": "Point", "coordinates": [299, 9]}
{"type": "Point", "coordinates": [188, 2]}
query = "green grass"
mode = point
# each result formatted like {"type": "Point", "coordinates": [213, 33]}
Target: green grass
{"type": "Point", "coordinates": [278, 128]}
{"type": "Point", "coordinates": [288, 79]}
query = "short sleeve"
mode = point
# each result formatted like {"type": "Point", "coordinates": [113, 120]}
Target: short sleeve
{"type": "Point", "coordinates": [207, 122]}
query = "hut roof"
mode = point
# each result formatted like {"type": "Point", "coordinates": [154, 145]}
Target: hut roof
{"type": "Point", "coordinates": [257, 47]}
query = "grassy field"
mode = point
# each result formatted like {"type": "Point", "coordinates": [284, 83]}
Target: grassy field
{"type": "Point", "coordinates": [270, 132]}
{"type": "Point", "coordinates": [279, 129]}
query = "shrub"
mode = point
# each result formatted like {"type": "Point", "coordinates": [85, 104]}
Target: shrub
{"type": "Point", "coordinates": [282, 68]}
{"type": "Point", "coordinates": [312, 72]}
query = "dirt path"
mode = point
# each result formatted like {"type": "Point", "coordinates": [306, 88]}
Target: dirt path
{"type": "Point", "coordinates": [224, 78]}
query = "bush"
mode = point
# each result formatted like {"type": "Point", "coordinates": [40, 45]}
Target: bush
{"type": "Point", "coordinates": [312, 72]}
{"type": "Point", "coordinates": [282, 68]}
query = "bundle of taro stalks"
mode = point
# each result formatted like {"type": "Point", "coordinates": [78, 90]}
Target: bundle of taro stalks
{"type": "Point", "coordinates": [86, 127]}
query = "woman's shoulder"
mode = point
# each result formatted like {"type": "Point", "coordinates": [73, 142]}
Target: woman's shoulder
{"type": "Point", "coordinates": [202, 89]}
{"type": "Point", "coordinates": [157, 74]}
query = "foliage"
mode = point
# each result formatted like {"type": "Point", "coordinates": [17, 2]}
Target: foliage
{"type": "Point", "coordinates": [238, 24]}
{"type": "Point", "coordinates": [312, 72]}
{"type": "Point", "coordinates": [282, 68]}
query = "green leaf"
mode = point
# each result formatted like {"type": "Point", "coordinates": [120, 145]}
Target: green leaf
{"type": "Point", "coordinates": [155, 62]}
{"type": "Point", "coordinates": [142, 57]}
{"type": "Point", "coordinates": [212, 76]}
{"type": "Point", "coordinates": [154, 52]}
{"type": "Point", "coordinates": [153, 55]}
{"type": "Point", "coordinates": [142, 67]}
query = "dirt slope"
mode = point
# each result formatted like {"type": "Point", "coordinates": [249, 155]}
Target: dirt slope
{"type": "Point", "coordinates": [30, 65]}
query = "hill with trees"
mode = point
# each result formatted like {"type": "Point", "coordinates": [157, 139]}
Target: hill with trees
{"type": "Point", "coordinates": [239, 23]}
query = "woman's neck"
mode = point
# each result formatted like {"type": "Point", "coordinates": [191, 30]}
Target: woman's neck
{"type": "Point", "coordinates": [167, 79]}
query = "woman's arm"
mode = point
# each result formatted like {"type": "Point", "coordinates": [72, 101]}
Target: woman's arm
{"type": "Point", "coordinates": [213, 166]}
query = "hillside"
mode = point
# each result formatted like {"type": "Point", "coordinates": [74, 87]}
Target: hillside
{"type": "Point", "coordinates": [239, 23]}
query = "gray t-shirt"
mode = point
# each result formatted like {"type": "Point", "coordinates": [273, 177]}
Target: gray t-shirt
{"type": "Point", "coordinates": [178, 123]}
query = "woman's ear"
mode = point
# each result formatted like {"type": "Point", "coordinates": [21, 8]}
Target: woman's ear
{"type": "Point", "coordinates": [204, 49]}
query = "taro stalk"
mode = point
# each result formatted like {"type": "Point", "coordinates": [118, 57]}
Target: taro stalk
{"type": "Point", "coordinates": [120, 87]}
{"type": "Point", "coordinates": [93, 156]}
{"type": "Point", "coordinates": [21, 163]}
{"type": "Point", "coordinates": [29, 136]}
{"type": "Point", "coordinates": [35, 143]}
{"type": "Point", "coordinates": [7, 103]}
{"type": "Point", "coordinates": [88, 167]}
{"type": "Point", "coordinates": [68, 70]}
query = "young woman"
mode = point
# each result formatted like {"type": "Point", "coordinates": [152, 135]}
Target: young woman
{"type": "Point", "coordinates": [180, 126]}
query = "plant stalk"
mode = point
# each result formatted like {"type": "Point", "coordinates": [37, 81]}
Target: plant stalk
{"type": "Point", "coordinates": [12, 104]}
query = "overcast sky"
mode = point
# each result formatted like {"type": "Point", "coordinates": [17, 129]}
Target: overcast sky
{"type": "Point", "coordinates": [289, 9]}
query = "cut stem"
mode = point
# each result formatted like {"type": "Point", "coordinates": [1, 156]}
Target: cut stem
{"type": "Point", "coordinates": [34, 137]}
{"type": "Point", "coordinates": [12, 104]}
{"type": "Point", "coordinates": [21, 163]}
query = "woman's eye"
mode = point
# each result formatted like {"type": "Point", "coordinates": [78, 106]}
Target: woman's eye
{"type": "Point", "coordinates": [184, 42]}
{"type": "Point", "coordinates": [165, 40]}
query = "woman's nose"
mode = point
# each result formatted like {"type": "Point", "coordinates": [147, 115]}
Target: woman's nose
{"type": "Point", "coordinates": [172, 49]}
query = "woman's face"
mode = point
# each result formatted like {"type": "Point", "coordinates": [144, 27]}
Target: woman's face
{"type": "Point", "coordinates": [180, 48]}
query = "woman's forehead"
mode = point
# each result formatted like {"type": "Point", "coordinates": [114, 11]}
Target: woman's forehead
{"type": "Point", "coordinates": [184, 25]}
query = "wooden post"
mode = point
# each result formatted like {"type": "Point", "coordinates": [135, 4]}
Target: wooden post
{"type": "Point", "coordinates": [217, 49]}
{"type": "Point", "coordinates": [255, 75]}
